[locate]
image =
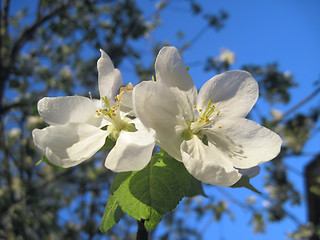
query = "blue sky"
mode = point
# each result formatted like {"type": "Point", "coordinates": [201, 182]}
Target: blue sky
{"type": "Point", "coordinates": [258, 32]}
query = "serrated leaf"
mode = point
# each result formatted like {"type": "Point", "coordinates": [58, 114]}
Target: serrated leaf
{"type": "Point", "coordinates": [195, 188]}
{"type": "Point", "coordinates": [151, 192]}
{"type": "Point", "coordinates": [112, 214]}
{"type": "Point", "coordinates": [45, 159]}
{"type": "Point", "coordinates": [244, 182]}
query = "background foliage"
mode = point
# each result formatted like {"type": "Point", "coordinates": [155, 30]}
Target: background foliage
{"type": "Point", "coordinates": [50, 48]}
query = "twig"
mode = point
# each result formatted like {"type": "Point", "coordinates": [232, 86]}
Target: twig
{"type": "Point", "coordinates": [142, 233]}
{"type": "Point", "coordinates": [301, 103]}
{"type": "Point", "coordinates": [194, 39]}
{"type": "Point", "coordinates": [29, 32]}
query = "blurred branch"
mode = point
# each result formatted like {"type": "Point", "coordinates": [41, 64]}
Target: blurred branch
{"type": "Point", "coordinates": [299, 104]}
{"type": "Point", "coordinates": [3, 21]}
{"type": "Point", "coordinates": [5, 161]}
{"type": "Point", "coordinates": [5, 15]}
{"type": "Point", "coordinates": [194, 39]}
{"type": "Point", "coordinates": [251, 208]}
{"type": "Point", "coordinates": [29, 32]}
{"type": "Point", "coordinates": [39, 8]}
{"type": "Point", "coordinates": [6, 108]}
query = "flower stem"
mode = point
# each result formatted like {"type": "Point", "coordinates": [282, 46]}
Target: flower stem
{"type": "Point", "coordinates": [142, 233]}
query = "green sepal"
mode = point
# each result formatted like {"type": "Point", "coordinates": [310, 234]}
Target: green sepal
{"type": "Point", "coordinates": [245, 182]}
{"type": "Point", "coordinates": [45, 159]}
{"type": "Point", "coordinates": [153, 191]}
{"type": "Point", "coordinates": [204, 140]}
{"type": "Point", "coordinates": [196, 188]}
{"type": "Point", "coordinates": [110, 143]}
{"type": "Point", "coordinates": [112, 214]}
{"type": "Point", "coordinates": [187, 134]}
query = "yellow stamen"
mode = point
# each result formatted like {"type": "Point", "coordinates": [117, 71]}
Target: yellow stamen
{"type": "Point", "coordinates": [129, 86]}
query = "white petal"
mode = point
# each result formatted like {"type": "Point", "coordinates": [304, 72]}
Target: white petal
{"type": "Point", "coordinates": [126, 102]}
{"type": "Point", "coordinates": [139, 126]}
{"type": "Point", "coordinates": [171, 71]}
{"type": "Point", "coordinates": [244, 142]}
{"type": "Point", "coordinates": [207, 164]}
{"type": "Point", "coordinates": [62, 110]}
{"type": "Point", "coordinates": [90, 140]}
{"type": "Point", "coordinates": [233, 93]}
{"type": "Point", "coordinates": [159, 109]}
{"type": "Point", "coordinates": [70, 144]}
{"type": "Point", "coordinates": [186, 101]}
{"type": "Point", "coordinates": [95, 120]}
{"type": "Point", "coordinates": [132, 151]}
{"type": "Point", "coordinates": [109, 78]}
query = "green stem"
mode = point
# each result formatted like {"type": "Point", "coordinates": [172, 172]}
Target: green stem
{"type": "Point", "coordinates": [142, 233]}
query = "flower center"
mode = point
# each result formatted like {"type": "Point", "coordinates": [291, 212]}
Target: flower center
{"type": "Point", "coordinates": [112, 114]}
{"type": "Point", "coordinates": [204, 121]}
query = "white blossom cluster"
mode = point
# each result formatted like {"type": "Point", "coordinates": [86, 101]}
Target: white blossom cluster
{"type": "Point", "coordinates": [207, 130]}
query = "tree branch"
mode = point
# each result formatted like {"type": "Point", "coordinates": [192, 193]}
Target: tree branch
{"type": "Point", "coordinates": [29, 32]}
{"type": "Point", "coordinates": [300, 104]}
{"type": "Point", "coordinates": [142, 233]}
{"type": "Point", "coordinates": [6, 108]}
{"type": "Point", "coordinates": [6, 13]}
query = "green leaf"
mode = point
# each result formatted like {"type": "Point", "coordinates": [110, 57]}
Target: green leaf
{"type": "Point", "coordinates": [195, 188]}
{"type": "Point", "coordinates": [112, 214]}
{"type": "Point", "coordinates": [153, 221]}
{"type": "Point", "coordinates": [153, 191]}
{"type": "Point", "coordinates": [244, 182]}
{"type": "Point", "coordinates": [45, 159]}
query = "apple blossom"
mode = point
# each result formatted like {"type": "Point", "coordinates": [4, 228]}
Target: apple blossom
{"type": "Point", "coordinates": [208, 130]}
{"type": "Point", "coordinates": [226, 56]}
{"type": "Point", "coordinates": [79, 126]}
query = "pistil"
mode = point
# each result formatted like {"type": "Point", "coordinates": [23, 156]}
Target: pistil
{"type": "Point", "coordinates": [195, 127]}
{"type": "Point", "coordinates": [112, 114]}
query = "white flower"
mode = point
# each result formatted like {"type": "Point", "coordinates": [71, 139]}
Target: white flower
{"type": "Point", "coordinates": [226, 56]}
{"type": "Point", "coordinates": [79, 126]}
{"type": "Point", "coordinates": [277, 114]}
{"type": "Point", "coordinates": [33, 122]}
{"type": "Point", "coordinates": [208, 130]}
{"type": "Point", "coordinates": [66, 73]}
{"type": "Point", "coordinates": [14, 133]}
{"type": "Point", "coordinates": [266, 203]}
